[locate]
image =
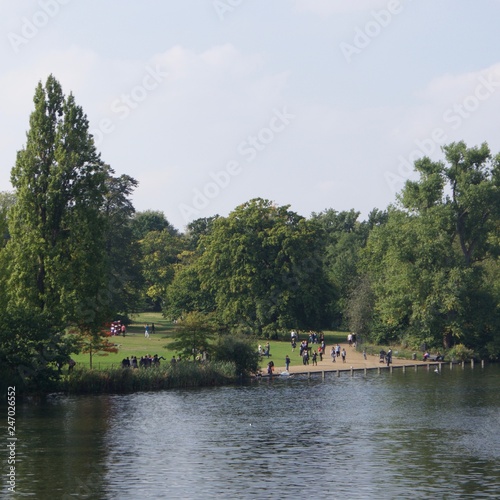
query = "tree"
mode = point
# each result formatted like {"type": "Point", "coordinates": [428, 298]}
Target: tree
{"type": "Point", "coordinates": [427, 264]}
{"type": "Point", "coordinates": [344, 237]}
{"type": "Point", "coordinates": [57, 259]}
{"type": "Point", "coordinates": [33, 347]}
{"type": "Point", "coordinates": [7, 201]}
{"type": "Point", "coordinates": [122, 250]}
{"type": "Point", "coordinates": [263, 267]}
{"type": "Point", "coordinates": [159, 254]}
{"type": "Point", "coordinates": [150, 220]}
{"type": "Point", "coordinates": [472, 179]}
{"type": "Point", "coordinates": [193, 335]}
{"type": "Point", "coordinates": [185, 293]}
{"type": "Point", "coordinates": [198, 228]}
{"type": "Point", "coordinates": [93, 343]}
{"type": "Point", "coordinates": [359, 308]}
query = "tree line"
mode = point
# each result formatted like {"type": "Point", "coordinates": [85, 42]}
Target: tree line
{"type": "Point", "coordinates": [75, 254]}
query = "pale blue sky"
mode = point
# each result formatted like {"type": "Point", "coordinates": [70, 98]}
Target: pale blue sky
{"type": "Point", "coordinates": [313, 103]}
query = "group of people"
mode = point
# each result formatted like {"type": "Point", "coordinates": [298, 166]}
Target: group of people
{"type": "Point", "coordinates": [386, 357]}
{"type": "Point", "coordinates": [309, 353]}
{"type": "Point", "coordinates": [144, 362]}
{"type": "Point", "coordinates": [336, 352]}
{"type": "Point", "coordinates": [264, 351]}
{"type": "Point", "coordinates": [117, 328]}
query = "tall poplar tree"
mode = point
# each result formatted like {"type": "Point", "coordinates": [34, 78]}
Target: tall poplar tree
{"type": "Point", "coordinates": [57, 258]}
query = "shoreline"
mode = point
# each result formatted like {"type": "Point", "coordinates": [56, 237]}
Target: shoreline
{"type": "Point", "coordinates": [356, 362]}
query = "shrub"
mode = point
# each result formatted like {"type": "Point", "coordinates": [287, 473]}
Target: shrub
{"type": "Point", "coordinates": [239, 350]}
{"type": "Point", "coordinates": [460, 353]}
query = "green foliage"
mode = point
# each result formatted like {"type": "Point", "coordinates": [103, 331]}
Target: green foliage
{"type": "Point", "coordinates": [150, 220]}
{"type": "Point", "coordinates": [92, 343]}
{"type": "Point", "coordinates": [359, 308]}
{"type": "Point", "coordinates": [198, 228]}
{"type": "Point", "coordinates": [56, 255]}
{"type": "Point", "coordinates": [344, 237]}
{"type": "Point", "coordinates": [7, 201]}
{"type": "Point", "coordinates": [262, 265]}
{"type": "Point", "coordinates": [427, 263]}
{"type": "Point", "coordinates": [193, 335]}
{"type": "Point", "coordinates": [124, 280]}
{"type": "Point", "coordinates": [32, 348]}
{"type": "Point", "coordinates": [185, 293]}
{"type": "Point", "coordinates": [460, 353]}
{"type": "Point", "coordinates": [241, 351]}
{"type": "Point", "coordinates": [159, 251]}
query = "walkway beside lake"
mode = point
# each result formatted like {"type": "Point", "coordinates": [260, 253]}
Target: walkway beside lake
{"type": "Point", "coordinates": [354, 360]}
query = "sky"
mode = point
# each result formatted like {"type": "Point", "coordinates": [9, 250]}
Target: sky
{"type": "Point", "coordinates": [316, 104]}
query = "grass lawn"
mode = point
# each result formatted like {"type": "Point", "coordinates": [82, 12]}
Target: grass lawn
{"type": "Point", "coordinates": [135, 344]}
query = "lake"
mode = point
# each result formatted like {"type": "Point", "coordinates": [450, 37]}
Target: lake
{"type": "Point", "coordinates": [387, 435]}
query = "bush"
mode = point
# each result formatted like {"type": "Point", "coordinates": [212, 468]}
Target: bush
{"type": "Point", "coordinates": [460, 353]}
{"type": "Point", "coordinates": [240, 351]}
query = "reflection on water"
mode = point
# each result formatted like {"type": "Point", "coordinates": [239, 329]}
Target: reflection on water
{"type": "Point", "coordinates": [413, 435]}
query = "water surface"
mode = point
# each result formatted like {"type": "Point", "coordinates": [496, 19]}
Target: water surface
{"type": "Point", "coordinates": [399, 435]}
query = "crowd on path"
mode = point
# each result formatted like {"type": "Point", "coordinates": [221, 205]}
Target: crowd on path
{"type": "Point", "coordinates": [313, 346]}
{"type": "Point", "coordinates": [310, 353]}
{"type": "Point", "coordinates": [310, 350]}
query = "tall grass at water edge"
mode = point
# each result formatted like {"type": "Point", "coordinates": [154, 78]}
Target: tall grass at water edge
{"type": "Point", "coordinates": [124, 380]}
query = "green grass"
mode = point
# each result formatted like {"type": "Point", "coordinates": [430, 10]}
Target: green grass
{"type": "Point", "coordinates": [135, 344]}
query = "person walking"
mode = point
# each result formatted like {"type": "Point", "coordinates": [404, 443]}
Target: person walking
{"type": "Point", "coordinates": [287, 362]}
{"type": "Point", "coordinates": [315, 358]}
{"type": "Point", "coordinates": [333, 354]}
{"type": "Point", "coordinates": [343, 355]}
{"type": "Point", "coordinates": [267, 350]}
{"type": "Point", "coordinates": [146, 331]}
{"type": "Point", "coordinates": [305, 357]}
